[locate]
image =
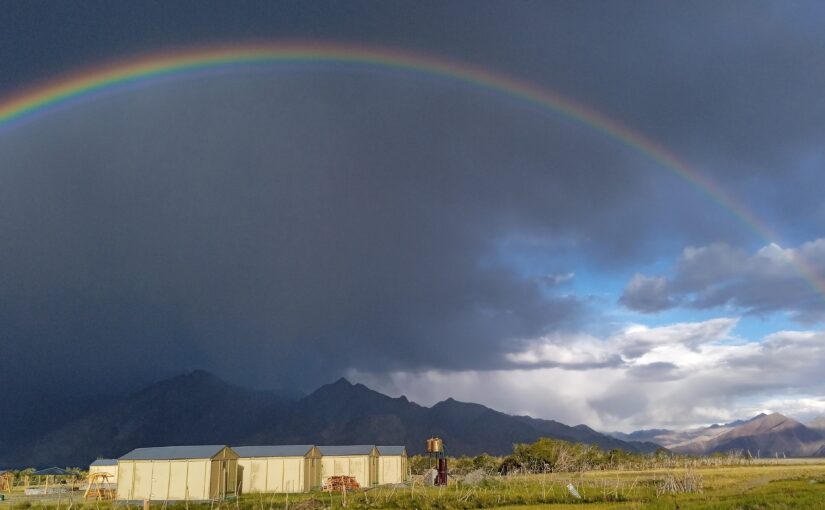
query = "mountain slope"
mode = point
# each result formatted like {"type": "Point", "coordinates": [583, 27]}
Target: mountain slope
{"type": "Point", "coordinates": [199, 408]}
{"type": "Point", "coordinates": [765, 435]}
{"type": "Point", "coordinates": [189, 409]}
{"type": "Point", "coordinates": [683, 438]}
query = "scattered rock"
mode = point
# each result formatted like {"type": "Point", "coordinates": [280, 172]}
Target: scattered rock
{"type": "Point", "coordinates": [429, 477]}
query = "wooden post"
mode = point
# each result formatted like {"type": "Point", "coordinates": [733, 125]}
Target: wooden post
{"type": "Point", "coordinates": [145, 504]}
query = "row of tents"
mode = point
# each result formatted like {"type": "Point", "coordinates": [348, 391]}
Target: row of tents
{"type": "Point", "coordinates": [209, 472]}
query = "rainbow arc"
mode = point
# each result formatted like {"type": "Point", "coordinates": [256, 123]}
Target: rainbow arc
{"type": "Point", "coordinates": [53, 95]}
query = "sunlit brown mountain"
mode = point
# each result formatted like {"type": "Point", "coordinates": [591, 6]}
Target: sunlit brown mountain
{"type": "Point", "coordinates": [765, 435]}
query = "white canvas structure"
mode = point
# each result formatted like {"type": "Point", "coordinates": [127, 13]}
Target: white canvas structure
{"type": "Point", "coordinates": [172, 473]}
{"type": "Point", "coordinates": [360, 461]}
{"type": "Point", "coordinates": [283, 468]}
{"type": "Point", "coordinates": [392, 464]}
{"type": "Point", "coordinates": [108, 466]}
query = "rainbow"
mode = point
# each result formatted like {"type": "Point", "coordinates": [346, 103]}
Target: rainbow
{"type": "Point", "coordinates": [64, 91]}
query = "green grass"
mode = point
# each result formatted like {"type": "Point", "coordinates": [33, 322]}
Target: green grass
{"type": "Point", "coordinates": [755, 487]}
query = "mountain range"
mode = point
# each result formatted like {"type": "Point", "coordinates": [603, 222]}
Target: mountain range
{"type": "Point", "coordinates": [764, 435]}
{"type": "Point", "coordinates": [200, 408]}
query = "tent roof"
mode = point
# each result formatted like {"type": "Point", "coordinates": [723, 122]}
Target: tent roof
{"type": "Point", "coordinates": [357, 449]}
{"type": "Point", "coordinates": [104, 462]}
{"type": "Point", "coordinates": [51, 471]}
{"type": "Point", "coordinates": [285, 450]}
{"type": "Point", "coordinates": [174, 452]}
{"type": "Point", "coordinates": [391, 450]}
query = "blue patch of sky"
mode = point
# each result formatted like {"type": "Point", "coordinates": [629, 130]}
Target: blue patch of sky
{"type": "Point", "coordinates": [602, 289]}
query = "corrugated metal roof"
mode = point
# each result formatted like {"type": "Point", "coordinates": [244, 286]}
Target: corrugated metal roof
{"type": "Point", "coordinates": [356, 449]}
{"type": "Point", "coordinates": [52, 471]}
{"type": "Point", "coordinates": [104, 462]}
{"type": "Point", "coordinates": [284, 450]}
{"type": "Point", "coordinates": [391, 450]}
{"type": "Point", "coordinates": [174, 452]}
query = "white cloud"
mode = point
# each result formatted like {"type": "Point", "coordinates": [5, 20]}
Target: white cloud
{"type": "Point", "coordinates": [677, 375]}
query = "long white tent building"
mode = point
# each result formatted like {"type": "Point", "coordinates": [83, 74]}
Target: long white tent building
{"type": "Point", "coordinates": [190, 473]}
{"type": "Point", "coordinates": [283, 468]}
{"type": "Point", "coordinates": [213, 472]}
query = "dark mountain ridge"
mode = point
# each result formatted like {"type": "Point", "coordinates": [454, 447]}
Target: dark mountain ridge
{"type": "Point", "coordinates": [198, 407]}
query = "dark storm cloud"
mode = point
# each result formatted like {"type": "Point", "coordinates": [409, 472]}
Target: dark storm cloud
{"type": "Point", "coordinates": [647, 294]}
{"type": "Point", "coordinates": [296, 224]}
{"type": "Point", "coordinates": [286, 226]}
{"type": "Point", "coordinates": [657, 371]}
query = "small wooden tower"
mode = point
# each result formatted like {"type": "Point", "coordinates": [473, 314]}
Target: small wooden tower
{"type": "Point", "coordinates": [99, 487]}
{"type": "Point", "coordinates": [6, 481]}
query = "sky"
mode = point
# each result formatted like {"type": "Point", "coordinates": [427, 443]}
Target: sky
{"type": "Point", "coordinates": [285, 224]}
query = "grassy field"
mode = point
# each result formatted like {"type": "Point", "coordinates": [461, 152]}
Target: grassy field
{"type": "Point", "coordinates": [780, 485]}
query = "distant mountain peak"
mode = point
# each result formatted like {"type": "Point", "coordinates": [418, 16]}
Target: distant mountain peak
{"type": "Point", "coordinates": [582, 426]}
{"type": "Point", "coordinates": [755, 418]}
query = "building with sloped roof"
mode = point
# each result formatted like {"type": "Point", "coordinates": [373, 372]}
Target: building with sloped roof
{"type": "Point", "coordinates": [392, 464]}
{"type": "Point", "coordinates": [279, 468]}
{"type": "Point", "coordinates": [359, 461]}
{"type": "Point", "coordinates": [172, 473]}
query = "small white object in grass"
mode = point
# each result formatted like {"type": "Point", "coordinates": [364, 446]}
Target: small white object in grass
{"type": "Point", "coordinates": [573, 492]}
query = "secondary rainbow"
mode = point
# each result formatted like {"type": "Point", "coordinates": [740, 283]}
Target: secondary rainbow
{"type": "Point", "coordinates": [39, 100]}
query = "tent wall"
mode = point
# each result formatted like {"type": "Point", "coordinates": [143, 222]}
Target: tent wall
{"type": "Point", "coordinates": [392, 469]}
{"type": "Point", "coordinates": [160, 480]}
{"type": "Point", "coordinates": [277, 474]}
{"type": "Point", "coordinates": [126, 480]}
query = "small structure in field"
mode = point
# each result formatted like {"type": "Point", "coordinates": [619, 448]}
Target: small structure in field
{"type": "Point", "coordinates": [392, 464]}
{"type": "Point", "coordinates": [6, 480]}
{"type": "Point", "coordinates": [282, 468]}
{"type": "Point", "coordinates": [435, 448]}
{"type": "Point", "coordinates": [51, 480]}
{"type": "Point", "coordinates": [178, 473]}
{"type": "Point", "coordinates": [358, 461]}
{"type": "Point", "coordinates": [107, 466]}
{"type": "Point", "coordinates": [99, 487]}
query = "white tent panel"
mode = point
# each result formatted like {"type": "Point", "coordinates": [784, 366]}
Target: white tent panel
{"type": "Point", "coordinates": [160, 481]}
